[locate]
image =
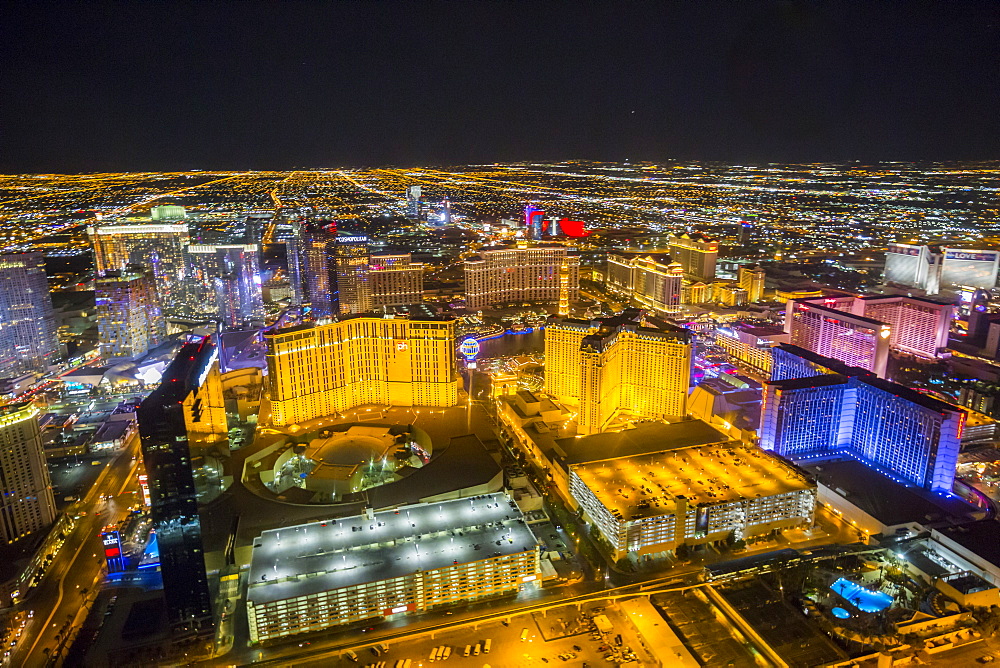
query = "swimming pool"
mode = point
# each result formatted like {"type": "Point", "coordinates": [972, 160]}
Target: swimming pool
{"type": "Point", "coordinates": [862, 599]}
{"type": "Point", "coordinates": [840, 613]}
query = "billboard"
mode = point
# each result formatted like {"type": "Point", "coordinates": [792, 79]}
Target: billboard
{"type": "Point", "coordinates": [112, 542]}
{"type": "Point", "coordinates": [971, 268]}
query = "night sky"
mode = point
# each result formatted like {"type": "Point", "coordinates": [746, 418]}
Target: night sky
{"type": "Point", "coordinates": [160, 86]}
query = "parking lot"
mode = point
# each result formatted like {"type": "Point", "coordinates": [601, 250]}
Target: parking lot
{"type": "Point", "coordinates": [545, 643]}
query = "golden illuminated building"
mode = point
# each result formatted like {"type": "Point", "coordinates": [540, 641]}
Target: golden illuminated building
{"type": "Point", "coordinates": [651, 280]}
{"type": "Point", "coordinates": [316, 370]}
{"type": "Point", "coordinates": [696, 253]}
{"type": "Point", "coordinates": [161, 246]}
{"type": "Point", "coordinates": [396, 280]}
{"type": "Point", "coordinates": [652, 503]}
{"type": "Point", "coordinates": [27, 505]}
{"type": "Point", "coordinates": [729, 294]}
{"type": "Point", "coordinates": [614, 367]}
{"type": "Point", "coordinates": [751, 279]}
{"type": "Point", "coordinates": [564, 289]}
{"type": "Point", "coordinates": [750, 346]}
{"type": "Point", "coordinates": [520, 273]}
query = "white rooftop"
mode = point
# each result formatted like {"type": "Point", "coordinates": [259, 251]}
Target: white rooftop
{"type": "Point", "coordinates": [320, 556]}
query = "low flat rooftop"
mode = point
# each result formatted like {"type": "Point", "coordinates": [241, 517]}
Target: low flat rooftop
{"type": "Point", "coordinates": [888, 501]}
{"type": "Point", "coordinates": [644, 439]}
{"type": "Point", "coordinates": [649, 485]}
{"type": "Point", "coordinates": [321, 556]}
{"type": "Point", "coordinates": [981, 538]}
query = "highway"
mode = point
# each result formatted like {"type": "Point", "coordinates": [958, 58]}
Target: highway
{"type": "Point", "coordinates": [71, 581]}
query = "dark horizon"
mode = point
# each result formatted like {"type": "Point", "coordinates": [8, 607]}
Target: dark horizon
{"type": "Point", "coordinates": [242, 86]}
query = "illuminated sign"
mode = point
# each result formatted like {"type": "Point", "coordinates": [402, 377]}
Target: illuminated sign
{"type": "Point", "coordinates": [144, 486]}
{"type": "Point", "coordinates": [903, 250]}
{"type": "Point", "coordinates": [971, 255]}
{"type": "Point", "coordinates": [885, 333]}
{"type": "Point", "coordinates": [113, 550]}
{"type": "Point", "coordinates": [573, 228]}
{"type": "Point", "coordinates": [469, 348]}
{"type": "Point", "coordinates": [360, 239]}
{"type": "Point", "coordinates": [529, 578]}
{"type": "Point", "coordinates": [402, 345]}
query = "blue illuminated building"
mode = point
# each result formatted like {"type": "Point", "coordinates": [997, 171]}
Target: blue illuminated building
{"type": "Point", "coordinates": [909, 436]}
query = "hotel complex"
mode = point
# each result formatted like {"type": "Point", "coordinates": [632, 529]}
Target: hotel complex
{"type": "Point", "coordinates": [696, 253]}
{"type": "Point", "coordinates": [860, 331]}
{"type": "Point", "coordinates": [396, 280]}
{"type": "Point", "coordinates": [910, 436]}
{"type": "Point", "coordinates": [129, 318]}
{"type": "Point", "coordinates": [159, 246]}
{"type": "Point", "coordinates": [411, 559]}
{"type": "Point", "coordinates": [521, 273]}
{"type": "Point", "coordinates": [929, 268]}
{"type": "Point", "coordinates": [315, 370]}
{"type": "Point", "coordinates": [164, 417]}
{"type": "Point", "coordinates": [652, 281]}
{"type": "Point", "coordinates": [28, 338]}
{"type": "Point", "coordinates": [27, 505]}
{"type": "Point", "coordinates": [655, 502]}
{"type": "Point", "coordinates": [650, 489]}
{"type": "Point", "coordinates": [615, 367]}
{"type": "Point", "coordinates": [750, 346]}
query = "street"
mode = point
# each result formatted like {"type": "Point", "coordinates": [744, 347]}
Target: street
{"type": "Point", "coordinates": [72, 580]}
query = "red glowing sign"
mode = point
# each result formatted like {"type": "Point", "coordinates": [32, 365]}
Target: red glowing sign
{"type": "Point", "coordinates": [112, 553]}
{"type": "Point", "coordinates": [572, 228]}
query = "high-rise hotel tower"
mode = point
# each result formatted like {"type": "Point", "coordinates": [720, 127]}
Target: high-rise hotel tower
{"type": "Point", "coordinates": [158, 246]}
{"type": "Point", "coordinates": [320, 369]}
{"type": "Point", "coordinates": [129, 319]}
{"type": "Point", "coordinates": [614, 366]}
{"type": "Point", "coordinates": [28, 341]}
{"type": "Point", "coordinates": [824, 409]}
{"type": "Point", "coordinates": [511, 274]}
{"type": "Point", "coordinates": [27, 505]}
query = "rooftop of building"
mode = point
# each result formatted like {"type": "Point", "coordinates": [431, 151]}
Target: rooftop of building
{"type": "Point", "coordinates": [332, 554]}
{"type": "Point", "coordinates": [412, 311]}
{"type": "Point", "coordinates": [695, 236]}
{"type": "Point", "coordinates": [982, 538]}
{"type": "Point", "coordinates": [834, 365]}
{"type": "Point", "coordinates": [17, 410]}
{"type": "Point", "coordinates": [419, 313]}
{"type": "Point", "coordinates": [845, 316]}
{"type": "Point", "coordinates": [179, 378]}
{"type": "Point", "coordinates": [825, 380]}
{"type": "Point", "coordinates": [761, 331]}
{"type": "Point", "coordinates": [889, 502]}
{"type": "Point", "coordinates": [644, 439]}
{"type": "Point", "coordinates": [909, 394]}
{"type": "Point", "coordinates": [921, 300]}
{"type": "Point", "coordinates": [464, 463]}
{"type": "Point", "coordinates": [649, 485]}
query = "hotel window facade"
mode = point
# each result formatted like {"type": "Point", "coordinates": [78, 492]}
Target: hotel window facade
{"type": "Point", "coordinates": [318, 370]}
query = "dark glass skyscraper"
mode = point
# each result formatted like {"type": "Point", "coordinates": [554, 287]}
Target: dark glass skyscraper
{"type": "Point", "coordinates": [175, 517]}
